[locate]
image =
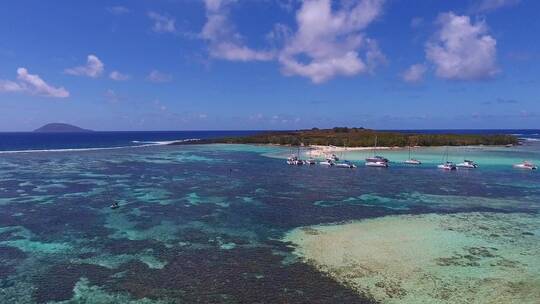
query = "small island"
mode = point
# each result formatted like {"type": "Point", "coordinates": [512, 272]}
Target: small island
{"type": "Point", "coordinates": [61, 128]}
{"type": "Point", "coordinates": [360, 137]}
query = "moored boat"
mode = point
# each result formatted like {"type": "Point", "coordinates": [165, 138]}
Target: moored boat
{"type": "Point", "coordinates": [328, 162]}
{"type": "Point", "coordinates": [380, 164]}
{"type": "Point", "coordinates": [526, 165]}
{"type": "Point", "coordinates": [467, 164]}
{"type": "Point", "coordinates": [346, 164]}
{"type": "Point", "coordinates": [412, 161]}
{"type": "Point", "coordinates": [447, 166]}
{"type": "Point", "coordinates": [375, 160]}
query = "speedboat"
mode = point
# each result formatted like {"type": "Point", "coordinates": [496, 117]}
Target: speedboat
{"type": "Point", "coordinates": [447, 166]}
{"type": "Point", "coordinates": [346, 164]}
{"type": "Point", "coordinates": [526, 165]}
{"type": "Point", "coordinates": [114, 205]}
{"type": "Point", "coordinates": [412, 161]}
{"type": "Point", "coordinates": [467, 164]}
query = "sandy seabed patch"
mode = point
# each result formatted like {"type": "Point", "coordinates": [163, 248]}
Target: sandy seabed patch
{"type": "Point", "coordinates": [458, 258]}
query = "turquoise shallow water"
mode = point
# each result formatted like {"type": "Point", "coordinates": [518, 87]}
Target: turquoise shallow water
{"type": "Point", "coordinates": [206, 223]}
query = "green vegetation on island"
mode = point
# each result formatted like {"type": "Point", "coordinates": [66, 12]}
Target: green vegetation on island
{"type": "Point", "coordinates": [360, 137]}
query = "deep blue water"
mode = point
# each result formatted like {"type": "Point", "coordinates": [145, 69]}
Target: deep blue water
{"type": "Point", "coordinates": [18, 141]}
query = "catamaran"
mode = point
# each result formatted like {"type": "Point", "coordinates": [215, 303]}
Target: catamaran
{"type": "Point", "coordinates": [447, 165]}
{"type": "Point", "coordinates": [412, 161]}
{"type": "Point", "coordinates": [375, 160]}
{"type": "Point", "coordinates": [526, 165]}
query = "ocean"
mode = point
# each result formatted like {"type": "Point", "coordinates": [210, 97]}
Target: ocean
{"type": "Point", "coordinates": [234, 224]}
{"type": "Point", "coordinates": [21, 141]}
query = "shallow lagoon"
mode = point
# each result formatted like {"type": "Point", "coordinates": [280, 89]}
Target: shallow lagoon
{"type": "Point", "coordinates": [206, 223]}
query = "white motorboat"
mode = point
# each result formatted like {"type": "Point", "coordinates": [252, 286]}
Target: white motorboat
{"type": "Point", "coordinates": [447, 166]}
{"type": "Point", "coordinates": [467, 164]}
{"type": "Point", "coordinates": [526, 165]}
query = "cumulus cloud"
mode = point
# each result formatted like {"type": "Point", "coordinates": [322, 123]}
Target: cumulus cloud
{"type": "Point", "coordinates": [484, 6]}
{"type": "Point", "coordinates": [224, 41]}
{"type": "Point", "coordinates": [162, 23]}
{"type": "Point", "coordinates": [461, 49]}
{"type": "Point", "coordinates": [93, 68]}
{"type": "Point", "coordinates": [115, 75]}
{"type": "Point", "coordinates": [157, 76]}
{"type": "Point", "coordinates": [7, 86]}
{"type": "Point", "coordinates": [328, 42]}
{"type": "Point", "coordinates": [414, 74]}
{"type": "Point", "coordinates": [32, 84]}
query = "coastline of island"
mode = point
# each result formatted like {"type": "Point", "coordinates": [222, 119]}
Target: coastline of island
{"type": "Point", "coordinates": [339, 139]}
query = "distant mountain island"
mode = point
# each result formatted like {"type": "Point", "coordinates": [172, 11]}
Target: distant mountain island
{"type": "Point", "coordinates": [61, 128]}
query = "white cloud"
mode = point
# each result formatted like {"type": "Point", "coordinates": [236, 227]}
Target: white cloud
{"type": "Point", "coordinates": [225, 42]}
{"type": "Point", "coordinates": [7, 86]}
{"type": "Point", "coordinates": [484, 6]}
{"type": "Point", "coordinates": [157, 76]}
{"type": "Point", "coordinates": [93, 68]}
{"type": "Point", "coordinates": [462, 50]}
{"type": "Point", "coordinates": [414, 74]}
{"type": "Point", "coordinates": [115, 75]}
{"type": "Point", "coordinates": [331, 40]}
{"type": "Point", "coordinates": [162, 23]}
{"type": "Point", "coordinates": [118, 10]}
{"type": "Point", "coordinates": [32, 84]}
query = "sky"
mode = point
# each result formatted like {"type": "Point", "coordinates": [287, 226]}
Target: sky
{"type": "Point", "coordinates": [270, 64]}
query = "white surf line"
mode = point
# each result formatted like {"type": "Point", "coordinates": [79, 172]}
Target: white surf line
{"type": "Point", "coordinates": [148, 144]}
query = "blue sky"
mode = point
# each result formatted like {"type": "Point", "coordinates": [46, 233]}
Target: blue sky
{"type": "Point", "coordinates": [269, 64]}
